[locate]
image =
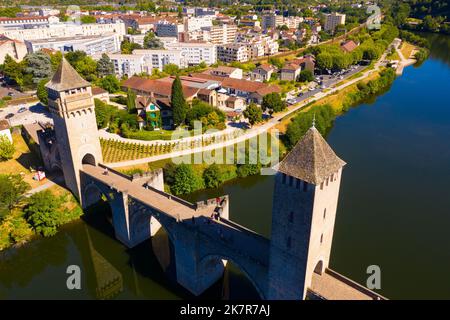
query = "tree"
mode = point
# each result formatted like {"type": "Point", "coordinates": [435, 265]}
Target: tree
{"type": "Point", "coordinates": [7, 148]}
{"type": "Point", "coordinates": [110, 83]}
{"type": "Point", "coordinates": [306, 76]}
{"type": "Point", "coordinates": [42, 212]}
{"type": "Point", "coordinates": [131, 101]}
{"type": "Point", "coordinates": [273, 102]}
{"type": "Point", "coordinates": [83, 64]}
{"type": "Point", "coordinates": [212, 176]}
{"type": "Point", "coordinates": [127, 47]}
{"type": "Point", "coordinates": [152, 42]}
{"type": "Point", "coordinates": [179, 105]}
{"type": "Point", "coordinates": [14, 70]}
{"type": "Point", "coordinates": [171, 69]}
{"type": "Point", "coordinates": [41, 91]}
{"type": "Point", "coordinates": [39, 66]}
{"type": "Point", "coordinates": [253, 113]}
{"type": "Point", "coordinates": [105, 66]}
{"type": "Point", "coordinates": [12, 188]}
{"type": "Point", "coordinates": [88, 19]}
{"type": "Point", "coordinates": [185, 180]}
{"type": "Point", "coordinates": [324, 60]}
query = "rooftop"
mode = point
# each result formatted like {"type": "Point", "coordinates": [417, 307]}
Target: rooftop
{"type": "Point", "coordinates": [312, 159]}
{"type": "Point", "coordinates": [4, 125]}
{"type": "Point", "coordinates": [66, 78]}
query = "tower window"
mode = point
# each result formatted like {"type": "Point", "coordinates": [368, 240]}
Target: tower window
{"type": "Point", "coordinates": [326, 182]}
{"type": "Point", "coordinates": [321, 238]}
{"type": "Point", "coordinates": [321, 186]}
{"type": "Point", "coordinates": [283, 179]}
{"type": "Point", "coordinates": [324, 213]}
{"type": "Point", "coordinates": [291, 216]}
{"type": "Point", "coordinates": [288, 242]}
{"type": "Point", "coordinates": [297, 186]}
{"type": "Point", "coordinates": [332, 177]}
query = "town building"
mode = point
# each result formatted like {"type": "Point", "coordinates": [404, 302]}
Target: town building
{"type": "Point", "coordinates": [127, 64]}
{"type": "Point", "coordinates": [26, 22]}
{"type": "Point", "coordinates": [332, 20]}
{"type": "Point", "coordinates": [157, 59]}
{"type": "Point", "coordinates": [197, 23]}
{"type": "Point", "coordinates": [232, 52]}
{"type": "Point", "coordinates": [14, 48]}
{"type": "Point", "coordinates": [100, 94]}
{"type": "Point", "coordinates": [348, 46]}
{"type": "Point", "coordinates": [271, 21]}
{"type": "Point", "coordinates": [226, 72]}
{"type": "Point", "coordinates": [290, 71]}
{"type": "Point", "coordinates": [223, 34]}
{"type": "Point", "coordinates": [165, 28]}
{"type": "Point", "coordinates": [195, 52]}
{"type": "Point", "coordinates": [92, 45]}
{"type": "Point", "coordinates": [61, 30]}
{"type": "Point", "coordinates": [262, 72]}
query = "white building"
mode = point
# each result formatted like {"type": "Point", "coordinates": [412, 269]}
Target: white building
{"type": "Point", "coordinates": [26, 22]}
{"type": "Point", "coordinates": [157, 59]}
{"type": "Point", "coordinates": [127, 64]}
{"type": "Point", "coordinates": [196, 52]}
{"type": "Point", "coordinates": [59, 30]}
{"type": "Point", "coordinates": [223, 34]}
{"type": "Point", "coordinates": [197, 23]}
{"type": "Point", "coordinates": [48, 12]}
{"type": "Point", "coordinates": [232, 52]}
{"type": "Point", "coordinates": [333, 20]}
{"type": "Point", "coordinates": [92, 45]}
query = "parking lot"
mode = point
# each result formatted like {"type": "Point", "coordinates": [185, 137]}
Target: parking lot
{"type": "Point", "coordinates": [325, 81]}
{"type": "Point", "coordinates": [25, 114]}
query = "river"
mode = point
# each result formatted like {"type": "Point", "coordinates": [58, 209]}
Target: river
{"type": "Point", "coordinates": [394, 209]}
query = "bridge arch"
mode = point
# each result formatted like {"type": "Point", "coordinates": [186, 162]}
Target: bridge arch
{"type": "Point", "coordinates": [210, 260]}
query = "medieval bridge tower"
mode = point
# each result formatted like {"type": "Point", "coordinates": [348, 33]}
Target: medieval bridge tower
{"type": "Point", "coordinates": [72, 106]}
{"type": "Point", "coordinates": [304, 210]}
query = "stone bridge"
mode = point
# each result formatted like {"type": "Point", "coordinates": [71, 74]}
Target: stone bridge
{"type": "Point", "coordinates": [202, 236]}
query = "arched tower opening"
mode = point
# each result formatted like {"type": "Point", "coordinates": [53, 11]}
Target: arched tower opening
{"type": "Point", "coordinates": [319, 267]}
{"type": "Point", "coordinates": [88, 159]}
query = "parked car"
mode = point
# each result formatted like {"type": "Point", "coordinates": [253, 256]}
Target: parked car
{"type": "Point", "coordinates": [291, 101]}
{"type": "Point", "coordinates": [9, 116]}
{"type": "Point", "coordinates": [300, 94]}
{"type": "Point", "coordinates": [10, 94]}
{"type": "Point", "coordinates": [23, 109]}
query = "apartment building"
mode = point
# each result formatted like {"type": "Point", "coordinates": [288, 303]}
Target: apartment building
{"type": "Point", "coordinates": [26, 22]}
{"type": "Point", "coordinates": [232, 52]}
{"type": "Point", "coordinates": [271, 21]}
{"type": "Point", "coordinates": [157, 59]}
{"type": "Point", "coordinates": [165, 28]}
{"type": "Point", "coordinates": [127, 64]}
{"type": "Point", "coordinates": [60, 30]}
{"type": "Point", "coordinates": [197, 23]}
{"type": "Point", "coordinates": [92, 45]}
{"type": "Point", "coordinates": [223, 34]}
{"type": "Point", "coordinates": [196, 52]}
{"type": "Point", "coordinates": [334, 19]}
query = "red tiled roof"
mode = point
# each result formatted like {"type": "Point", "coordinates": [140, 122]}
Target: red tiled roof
{"type": "Point", "coordinates": [349, 46]}
{"type": "Point", "coordinates": [98, 90]}
{"type": "Point", "coordinates": [160, 87]}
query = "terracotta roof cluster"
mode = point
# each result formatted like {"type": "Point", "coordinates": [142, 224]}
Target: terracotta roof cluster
{"type": "Point", "coordinates": [266, 67]}
{"type": "Point", "coordinates": [242, 85]}
{"type": "Point", "coordinates": [66, 78]}
{"type": "Point", "coordinates": [312, 159]}
{"type": "Point", "coordinates": [158, 87]}
{"type": "Point", "coordinates": [98, 90]}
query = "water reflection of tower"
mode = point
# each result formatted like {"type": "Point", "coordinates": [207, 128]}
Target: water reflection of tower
{"type": "Point", "coordinates": [109, 282]}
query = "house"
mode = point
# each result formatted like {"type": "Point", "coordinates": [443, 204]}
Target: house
{"type": "Point", "coordinates": [348, 46]}
{"type": "Point", "coordinates": [307, 62]}
{"type": "Point", "coordinates": [155, 113]}
{"type": "Point", "coordinates": [4, 130]}
{"type": "Point", "coordinates": [290, 71]}
{"type": "Point", "coordinates": [224, 71]}
{"type": "Point", "coordinates": [262, 73]}
{"type": "Point", "coordinates": [101, 94]}
{"type": "Point", "coordinates": [14, 48]}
